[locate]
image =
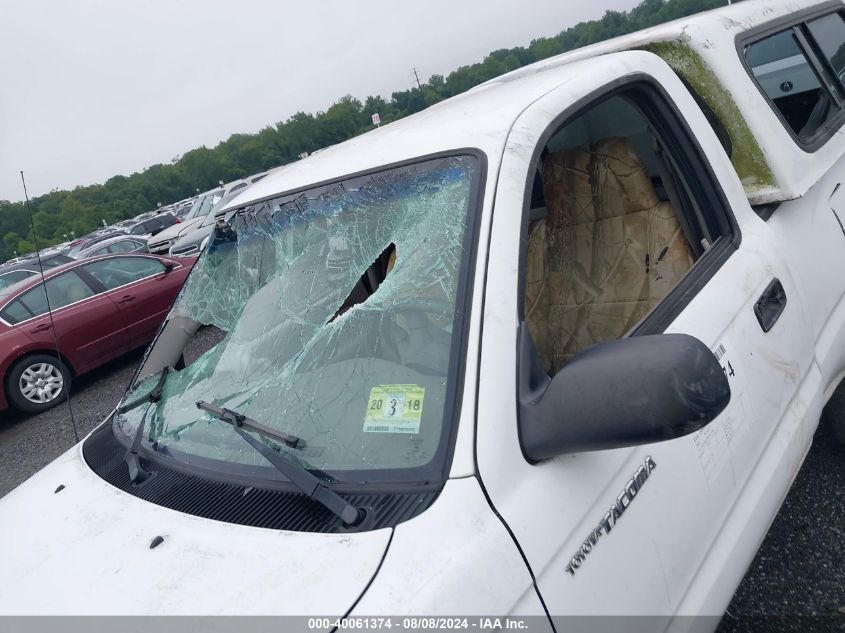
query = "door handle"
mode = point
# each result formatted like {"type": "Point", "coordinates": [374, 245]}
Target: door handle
{"type": "Point", "coordinates": [41, 328]}
{"type": "Point", "coordinates": [770, 305]}
{"type": "Point", "coordinates": [127, 299]}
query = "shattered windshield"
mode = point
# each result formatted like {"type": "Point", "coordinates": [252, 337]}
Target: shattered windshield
{"type": "Point", "coordinates": [334, 316]}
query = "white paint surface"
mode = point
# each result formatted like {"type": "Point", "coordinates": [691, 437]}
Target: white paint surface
{"type": "Point", "coordinates": [85, 551]}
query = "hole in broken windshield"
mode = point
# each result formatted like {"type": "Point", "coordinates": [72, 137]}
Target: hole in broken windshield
{"type": "Point", "coordinates": [206, 338]}
{"type": "Point", "coordinates": [370, 280]}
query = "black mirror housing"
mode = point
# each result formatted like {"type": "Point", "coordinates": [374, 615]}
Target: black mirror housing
{"type": "Point", "coordinates": [625, 392]}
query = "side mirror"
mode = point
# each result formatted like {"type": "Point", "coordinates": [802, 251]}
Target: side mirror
{"type": "Point", "coordinates": [169, 266]}
{"type": "Point", "coordinates": [625, 392]}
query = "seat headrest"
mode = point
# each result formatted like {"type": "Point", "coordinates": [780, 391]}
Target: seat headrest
{"type": "Point", "coordinates": [76, 291]}
{"type": "Point", "coordinates": [605, 179]}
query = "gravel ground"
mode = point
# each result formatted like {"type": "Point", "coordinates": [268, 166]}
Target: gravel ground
{"type": "Point", "coordinates": [799, 571]}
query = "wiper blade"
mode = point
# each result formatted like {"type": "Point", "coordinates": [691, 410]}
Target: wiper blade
{"type": "Point", "coordinates": [136, 473]}
{"type": "Point", "coordinates": [238, 419]}
{"type": "Point", "coordinates": [310, 485]}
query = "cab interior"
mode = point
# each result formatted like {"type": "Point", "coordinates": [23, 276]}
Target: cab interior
{"type": "Point", "coordinates": [612, 228]}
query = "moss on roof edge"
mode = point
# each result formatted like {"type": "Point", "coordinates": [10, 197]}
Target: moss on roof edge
{"type": "Point", "coordinates": [748, 159]}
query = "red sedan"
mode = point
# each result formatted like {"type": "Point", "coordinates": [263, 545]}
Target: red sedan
{"type": "Point", "coordinates": [101, 308]}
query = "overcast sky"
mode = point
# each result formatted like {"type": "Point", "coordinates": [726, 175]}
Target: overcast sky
{"type": "Point", "coordinates": [94, 88]}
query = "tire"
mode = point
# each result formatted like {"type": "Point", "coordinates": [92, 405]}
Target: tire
{"type": "Point", "coordinates": [833, 414]}
{"type": "Point", "coordinates": [37, 383]}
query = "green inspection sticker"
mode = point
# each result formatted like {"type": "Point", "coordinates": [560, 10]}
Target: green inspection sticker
{"type": "Point", "coordinates": [394, 409]}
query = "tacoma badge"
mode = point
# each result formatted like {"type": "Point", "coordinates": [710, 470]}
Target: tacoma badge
{"type": "Point", "coordinates": [608, 521]}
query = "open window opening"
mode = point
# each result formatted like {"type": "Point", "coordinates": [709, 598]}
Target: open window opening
{"type": "Point", "coordinates": [614, 226]}
{"type": "Point", "coordinates": [787, 77]}
{"type": "Point", "coordinates": [800, 70]}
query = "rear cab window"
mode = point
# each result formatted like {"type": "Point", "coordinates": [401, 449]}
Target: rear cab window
{"type": "Point", "coordinates": [799, 68]}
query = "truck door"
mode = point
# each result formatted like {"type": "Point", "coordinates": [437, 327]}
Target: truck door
{"type": "Point", "coordinates": [617, 213]}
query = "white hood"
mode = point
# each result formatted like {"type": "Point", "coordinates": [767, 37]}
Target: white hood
{"type": "Point", "coordinates": [177, 230]}
{"type": "Point", "coordinates": [86, 550]}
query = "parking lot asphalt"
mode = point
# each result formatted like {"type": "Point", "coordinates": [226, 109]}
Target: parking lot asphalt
{"type": "Point", "coordinates": [800, 568]}
{"type": "Point", "coordinates": [798, 571]}
{"type": "Point", "coordinates": [30, 442]}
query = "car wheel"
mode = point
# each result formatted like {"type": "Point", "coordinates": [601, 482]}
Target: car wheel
{"type": "Point", "coordinates": [833, 414]}
{"type": "Point", "coordinates": [37, 383]}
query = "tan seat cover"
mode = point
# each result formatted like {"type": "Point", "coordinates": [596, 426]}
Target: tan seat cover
{"type": "Point", "coordinates": [607, 252]}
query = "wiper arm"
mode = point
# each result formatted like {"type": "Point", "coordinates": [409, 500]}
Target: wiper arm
{"type": "Point", "coordinates": [310, 485]}
{"type": "Point", "coordinates": [136, 473]}
{"type": "Point", "coordinates": [153, 396]}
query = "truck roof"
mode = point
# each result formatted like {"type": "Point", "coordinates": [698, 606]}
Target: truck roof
{"type": "Point", "coordinates": [702, 49]}
{"type": "Point", "coordinates": [479, 118]}
{"type": "Point", "coordinates": [705, 49]}
{"type": "Point", "coordinates": [733, 19]}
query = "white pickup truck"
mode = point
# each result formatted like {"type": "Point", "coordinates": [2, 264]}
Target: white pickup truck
{"type": "Point", "coordinates": [556, 346]}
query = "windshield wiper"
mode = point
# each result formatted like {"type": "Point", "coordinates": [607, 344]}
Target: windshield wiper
{"type": "Point", "coordinates": [298, 475]}
{"type": "Point", "coordinates": [136, 473]}
{"type": "Point", "coordinates": [153, 396]}
{"type": "Point", "coordinates": [238, 419]}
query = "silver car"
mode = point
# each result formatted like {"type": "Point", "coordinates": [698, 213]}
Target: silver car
{"type": "Point", "coordinates": [118, 244]}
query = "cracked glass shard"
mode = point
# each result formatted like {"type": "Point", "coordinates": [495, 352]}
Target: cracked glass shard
{"type": "Point", "coordinates": [335, 310]}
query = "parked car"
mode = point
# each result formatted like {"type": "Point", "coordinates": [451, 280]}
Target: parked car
{"type": "Point", "coordinates": [203, 204]}
{"type": "Point", "coordinates": [154, 225]}
{"type": "Point", "coordinates": [124, 225]}
{"type": "Point", "coordinates": [193, 241]}
{"type": "Point", "coordinates": [101, 308]}
{"type": "Point", "coordinates": [555, 346]}
{"type": "Point", "coordinates": [114, 244]}
{"type": "Point", "coordinates": [87, 241]}
{"type": "Point", "coordinates": [12, 273]}
{"type": "Point", "coordinates": [146, 215]}
{"type": "Point", "coordinates": [183, 207]}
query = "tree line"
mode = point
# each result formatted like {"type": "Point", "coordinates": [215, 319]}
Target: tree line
{"type": "Point", "coordinates": [73, 213]}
